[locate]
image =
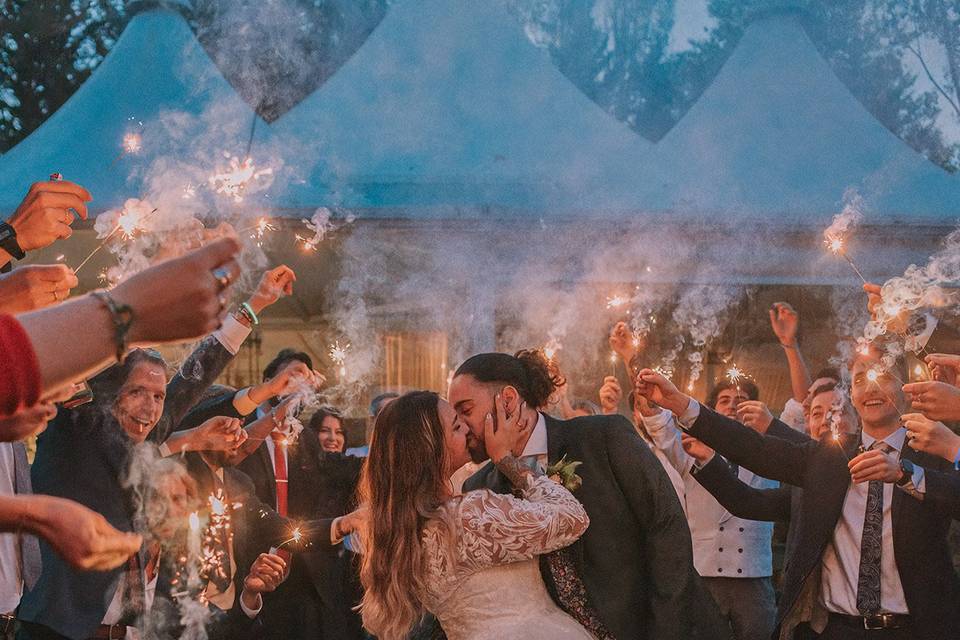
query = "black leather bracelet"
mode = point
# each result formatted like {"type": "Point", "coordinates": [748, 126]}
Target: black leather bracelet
{"type": "Point", "coordinates": [122, 317]}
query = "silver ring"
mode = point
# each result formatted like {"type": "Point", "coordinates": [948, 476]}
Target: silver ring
{"type": "Point", "coordinates": [56, 296]}
{"type": "Point", "coordinates": [222, 275]}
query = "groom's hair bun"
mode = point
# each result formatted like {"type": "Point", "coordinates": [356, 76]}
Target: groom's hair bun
{"type": "Point", "coordinates": [528, 371]}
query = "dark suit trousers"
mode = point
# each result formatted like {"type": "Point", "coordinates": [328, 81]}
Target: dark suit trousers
{"type": "Point", "coordinates": [748, 604]}
{"type": "Point", "coordinates": [30, 631]}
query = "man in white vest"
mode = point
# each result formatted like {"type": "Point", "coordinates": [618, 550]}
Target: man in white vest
{"type": "Point", "coordinates": [732, 555]}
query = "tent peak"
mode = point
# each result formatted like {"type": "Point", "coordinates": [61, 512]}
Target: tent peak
{"type": "Point", "coordinates": [183, 7]}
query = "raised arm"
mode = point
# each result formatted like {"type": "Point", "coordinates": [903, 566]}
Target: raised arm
{"type": "Point", "coordinates": [741, 499]}
{"type": "Point", "coordinates": [766, 456]}
{"type": "Point", "coordinates": [667, 438]}
{"type": "Point", "coordinates": [784, 321]}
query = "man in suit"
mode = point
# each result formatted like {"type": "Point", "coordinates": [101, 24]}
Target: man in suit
{"type": "Point", "coordinates": [635, 560]}
{"type": "Point", "coordinates": [871, 558]}
{"type": "Point", "coordinates": [782, 503]}
{"type": "Point", "coordinates": [235, 600]}
{"type": "Point", "coordinates": [295, 478]}
{"type": "Point", "coordinates": [85, 456]}
{"type": "Point", "coordinates": [731, 554]}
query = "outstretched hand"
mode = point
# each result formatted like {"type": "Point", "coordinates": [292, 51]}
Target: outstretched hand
{"type": "Point", "coordinates": [658, 389]}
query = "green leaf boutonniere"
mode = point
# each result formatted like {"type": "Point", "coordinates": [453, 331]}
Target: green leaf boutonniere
{"type": "Point", "coordinates": [565, 472]}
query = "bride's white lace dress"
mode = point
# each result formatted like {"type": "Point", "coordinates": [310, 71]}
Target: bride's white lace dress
{"type": "Point", "coordinates": [482, 572]}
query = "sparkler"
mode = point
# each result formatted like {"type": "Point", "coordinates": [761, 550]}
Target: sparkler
{"type": "Point", "coordinates": [259, 230]}
{"type": "Point", "coordinates": [836, 245]}
{"type": "Point", "coordinates": [338, 353]}
{"type": "Point", "coordinates": [296, 536]}
{"type": "Point", "coordinates": [132, 143]}
{"type": "Point", "coordinates": [130, 222]}
{"type": "Point", "coordinates": [234, 180]}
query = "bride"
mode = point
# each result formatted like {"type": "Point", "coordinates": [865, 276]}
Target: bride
{"type": "Point", "coordinates": [470, 560]}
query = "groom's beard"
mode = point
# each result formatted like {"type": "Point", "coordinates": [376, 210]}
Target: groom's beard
{"type": "Point", "coordinates": [478, 451]}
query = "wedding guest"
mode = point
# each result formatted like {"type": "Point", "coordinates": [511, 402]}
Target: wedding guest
{"type": "Point", "coordinates": [582, 408]}
{"type": "Point", "coordinates": [732, 555]}
{"type": "Point", "coordinates": [785, 321]}
{"type": "Point", "coordinates": [782, 503]}
{"type": "Point", "coordinates": [376, 406]}
{"type": "Point", "coordinates": [871, 558]}
{"type": "Point", "coordinates": [84, 457]}
{"type": "Point", "coordinates": [326, 424]}
{"type": "Point", "coordinates": [643, 409]}
{"type": "Point", "coordinates": [35, 286]}
{"type": "Point", "coordinates": [235, 599]}
{"type": "Point", "coordinates": [637, 562]}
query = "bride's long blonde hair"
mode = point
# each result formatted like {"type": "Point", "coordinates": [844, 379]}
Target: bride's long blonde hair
{"type": "Point", "coordinates": [402, 485]}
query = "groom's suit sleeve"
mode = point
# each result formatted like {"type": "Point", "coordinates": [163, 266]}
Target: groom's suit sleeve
{"type": "Point", "coordinates": [666, 537]}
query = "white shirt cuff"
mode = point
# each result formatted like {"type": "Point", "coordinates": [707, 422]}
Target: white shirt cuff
{"type": "Point", "coordinates": [251, 613]}
{"type": "Point", "coordinates": [242, 402]}
{"type": "Point", "coordinates": [689, 415]}
{"type": "Point", "coordinates": [656, 423]}
{"type": "Point", "coordinates": [231, 334]}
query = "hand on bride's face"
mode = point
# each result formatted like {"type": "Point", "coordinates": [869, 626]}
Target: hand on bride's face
{"type": "Point", "coordinates": [506, 434]}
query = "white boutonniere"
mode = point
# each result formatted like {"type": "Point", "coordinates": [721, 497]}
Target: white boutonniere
{"type": "Point", "coordinates": [564, 472]}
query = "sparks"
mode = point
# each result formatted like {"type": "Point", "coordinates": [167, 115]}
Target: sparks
{"type": "Point", "coordinates": [234, 180]}
{"type": "Point", "coordinates": [615, 302]}
{"type": "Point", "coordinates": [307, 244]}
{"type": "Point", "coordinates": [734, 374]}
{"type": "Point", "coordinates": [132, 143]}
{"type": "Point", "coordinates": [873, 375]}
{"type": "Point", "coordinates": [338, 352]}
{"type": "Point", "coordinates": [835, 244]}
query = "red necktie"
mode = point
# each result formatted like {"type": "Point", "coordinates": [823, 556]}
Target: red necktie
{"type": "Point", "coordinates": [280, 476]}
{"type": "Point", "coordinates": [280, 471]}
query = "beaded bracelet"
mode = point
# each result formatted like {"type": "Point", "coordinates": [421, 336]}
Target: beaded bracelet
{"type": "Point", "coordinates": [122, 317]}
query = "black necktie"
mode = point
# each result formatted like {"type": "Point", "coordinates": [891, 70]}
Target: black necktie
{"type": "Point", "coordinates": [868, 583]}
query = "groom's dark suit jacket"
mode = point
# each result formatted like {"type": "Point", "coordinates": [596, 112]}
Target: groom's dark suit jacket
{"type": "Point", "coordinates": [636, 558]}
{"type": "Point", "coordinates": [930, 585]}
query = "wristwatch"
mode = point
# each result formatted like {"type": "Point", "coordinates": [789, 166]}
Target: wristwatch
{"type": "Point", "coordinates": [8, 241]}
{"type": "Point", "coordinates": [906, 467]}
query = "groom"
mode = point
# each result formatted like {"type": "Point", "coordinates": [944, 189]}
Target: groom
{"type": "Point", "coordinates": [635, 560]}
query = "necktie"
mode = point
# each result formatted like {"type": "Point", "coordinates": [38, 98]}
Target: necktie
{"type": "Point", "coordinates": [868, 583]}
{"type": "Point", "coordinates": [280, 471]}
{"type": "Point", "coordinates": [29, 547]}
{"type": "Point", "coordinates": [280, 476]}
{"type": "Point", "coordinates": [133, 592]}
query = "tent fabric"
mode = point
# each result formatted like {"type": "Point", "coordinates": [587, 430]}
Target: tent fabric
{"type": "Point", "coordinates": [448, 111]}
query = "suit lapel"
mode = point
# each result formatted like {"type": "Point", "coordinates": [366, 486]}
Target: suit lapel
{"type": "Point", "coordinates": [556, 443]}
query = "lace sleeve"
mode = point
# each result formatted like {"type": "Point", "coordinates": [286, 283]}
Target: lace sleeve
{"type": "Point", "coordinates": [498, 529]}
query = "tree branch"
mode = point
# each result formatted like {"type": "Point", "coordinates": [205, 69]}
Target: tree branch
{"type": "Point", "coordinates": [930, 77]}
